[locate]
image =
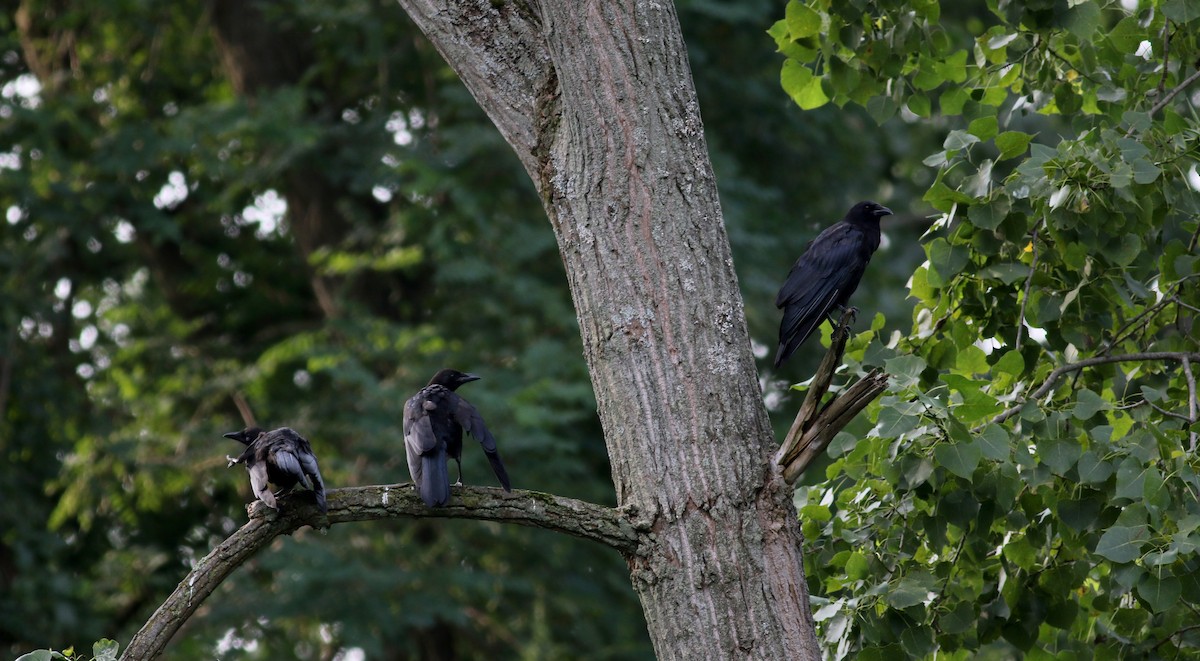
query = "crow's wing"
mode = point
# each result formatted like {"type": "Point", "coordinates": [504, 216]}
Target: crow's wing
{"type": "Point", "coordinates": [419, 437]}
{"type": "Point", "coordinates": [308, 463]}
{"type": "Point", "coordinates": [468, 417]}
{"type": "Point", "coordinates": [287, 463]}
{"type": "Point", "coordinates": [258, 482]}
{"type": "Point", "coordinates": [824, 277]}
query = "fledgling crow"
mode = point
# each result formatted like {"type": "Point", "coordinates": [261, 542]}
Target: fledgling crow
{"type": "Point", "coordinates": [281, 457]}
{"type": "Point", "coordinates": [826, 275]}
{"type": "Point", "coordinates": [434, 420]}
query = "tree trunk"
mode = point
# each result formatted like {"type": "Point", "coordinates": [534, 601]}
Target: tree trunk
{"type": "Point", "coordinates": [597, 100]}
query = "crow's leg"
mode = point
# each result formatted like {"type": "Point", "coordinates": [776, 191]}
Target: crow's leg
{"type": "Point", "coordinates": [459, 462]}
{"type": "Point", "coordinates": [834, 322]}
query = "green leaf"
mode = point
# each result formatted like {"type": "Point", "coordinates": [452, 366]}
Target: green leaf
{"type": "Point", "coordinates": [1059, 455]}
{"type": "Point", "coordinates": [802, 21]}
{"type": "Point", "coordinates": [1011, 363]}
{"type": "Point", "coordinates": [989, 216]}
{"type": "Point", "coordinates": [1088, 403]}
{"type": "Point", "coordinates": [984, 128]}
{"type": "Point", "coordinates": [1123, 250]}
{"type": "Point", "coordinates": [994, 443]}
{"type": "Point", "coordinates": [1083, 20]}
{"type": "Point", "coordinates": [804, 88]}
{"type": "Point", "coordinates": [1012, 144]}
{"type": "Point", "coordinates": [1021, 553]}
{"type": "Point", "coordinates": [947, 260]}
{"type": "Point", "coordinates": [1079, 515]}
{"type": "Point", "coordinates": [105, 650]}
{"type": "Point", "coordinates": [904, 370]}
{"type": "Point", "coordinates": [40, 655]}
{"type": "Point", "coordinates": [842, 443]}
{"type": "Point", "coordinates": [976, 404]}
{"type": "Point", "coordinates": [1127, 35]}
{"type": "Point", "coordinates": [1181, 11]}
{"type": "Point", "coordinates": [857, 567]}
{"type": "Point", "coordinates": [953, 68]}
{"type": "Point", "coordinates": [894, 421]}
{"type": "Point", "coordinates": [951, 101]}
{"type": "Point", "coordinates": [1093, 469]}
{"type": "Point", "coordinates": [1160, 594]}
{"type": "Point", "coordinates": [958, 139]}
{"type": "Point", "coordinates": [911, 590]}
{"type": "Point", "coordinates": [882, 108]}
{"type": "Point", "coordinates": [959, 458]}
{"type": "Point", "coordinates": [818, 513]}
{"type": "Point", "coordinates": [1145, 172]}
{"type": "Point", "coordinates": [919, 105]}
{"type": "Point", "coordinates": [1006, 273]}
{"type": "Point", "coordinates": [1066, 99]}
{"type": "Point", "coordinates": [958, 620]}
{"type": "Point", "coordinates": [1131, 479]}
{"type": "Point", "coordinates": [1122, 544]}
{"type": "Point", "coordinates": [972, 360]}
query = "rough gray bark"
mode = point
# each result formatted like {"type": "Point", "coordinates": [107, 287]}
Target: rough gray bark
{"type": "Point", "coordinates": [596, 98]}
{"type": "Point", "coordinates": [529, 508]}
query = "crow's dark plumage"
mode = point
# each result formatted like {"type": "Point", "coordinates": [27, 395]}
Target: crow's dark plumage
{"type": "Point", "coordinates": [281, 457]}
{"type": "Point", "coordinates": [434, 420]}
{"type": "Point", "coordinates": [825, 276]}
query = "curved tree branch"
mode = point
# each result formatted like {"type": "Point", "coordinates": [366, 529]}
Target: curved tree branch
{"type": "Point", "coordinates": [606, 525]}
{"type": "Point", "coordinates": [1162, 103]}
{"type": "Point", "coordinates": [1054, 376]}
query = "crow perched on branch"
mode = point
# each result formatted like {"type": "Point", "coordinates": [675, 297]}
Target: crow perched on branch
{"type": "Point", "coordinates": [281, 457]}
{"type": "Point", "coordinates": [826, 275]}
{"type": "Point", "coordinates": [434, 420]}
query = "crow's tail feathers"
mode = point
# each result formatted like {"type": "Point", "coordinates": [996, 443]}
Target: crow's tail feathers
{"type": "Point", "coordinates": [435, 479]}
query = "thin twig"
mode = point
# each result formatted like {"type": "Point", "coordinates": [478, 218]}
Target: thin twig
{"type": "Point", "coordinates": [1028, 284]}
{"type": "Point", "coordinates": [244, 409]}
{"type": "Point", "coordinates": [1070, 64]}
{"type": "Point", "coordinates": [1119, 336]}
{"type": "Point", "coordinates": [1055, 375]}
{"type": "Point", "coordinates": [1170, 414]}
{"type": "Point", "coordinates": [1162, 82]}
{"type": "Point", "coordinates": [1162, 103]}
{"type": "Point", "coordinates": [1191, 627]}
{"type": "Point", "coordinates": [1191, 381]}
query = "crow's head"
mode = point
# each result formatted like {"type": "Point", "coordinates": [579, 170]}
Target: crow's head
{"type": "Point", "coordinates": [246, 436]}
{"type": "Point", "coordinates": [452, 379]}
{"type": "Point", "coordinates": [867, 211]}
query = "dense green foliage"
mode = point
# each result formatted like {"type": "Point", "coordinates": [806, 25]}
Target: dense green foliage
{"type": "Point", "coordinates": [306, 234]}
{"type": "Point", "coordinates": [1004, 502]}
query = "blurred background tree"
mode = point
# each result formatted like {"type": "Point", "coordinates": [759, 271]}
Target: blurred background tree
{"type": "Point", "coordinates": [294, 211]}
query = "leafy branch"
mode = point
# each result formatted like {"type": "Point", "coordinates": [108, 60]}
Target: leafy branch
{"type": "Point", "coordinates": [606, 525]}
{"type": "Point", "coordinates": [1058, 372]}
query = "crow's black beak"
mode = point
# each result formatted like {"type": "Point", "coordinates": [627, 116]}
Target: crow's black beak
{"type": "Point", "coordinates": [235, 435]}
{"type": "Point", "coordinates": [883, 211]}
{"type": "Point", "coordinates": [467, 378]}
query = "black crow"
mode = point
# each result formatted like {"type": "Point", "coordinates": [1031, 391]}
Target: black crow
{"type": "Point", "coordinates": [826, 275]}
{"type": "Point", "coordinates": [434, 420]}
{"type": "Point", "coordinates": [281, 457]}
